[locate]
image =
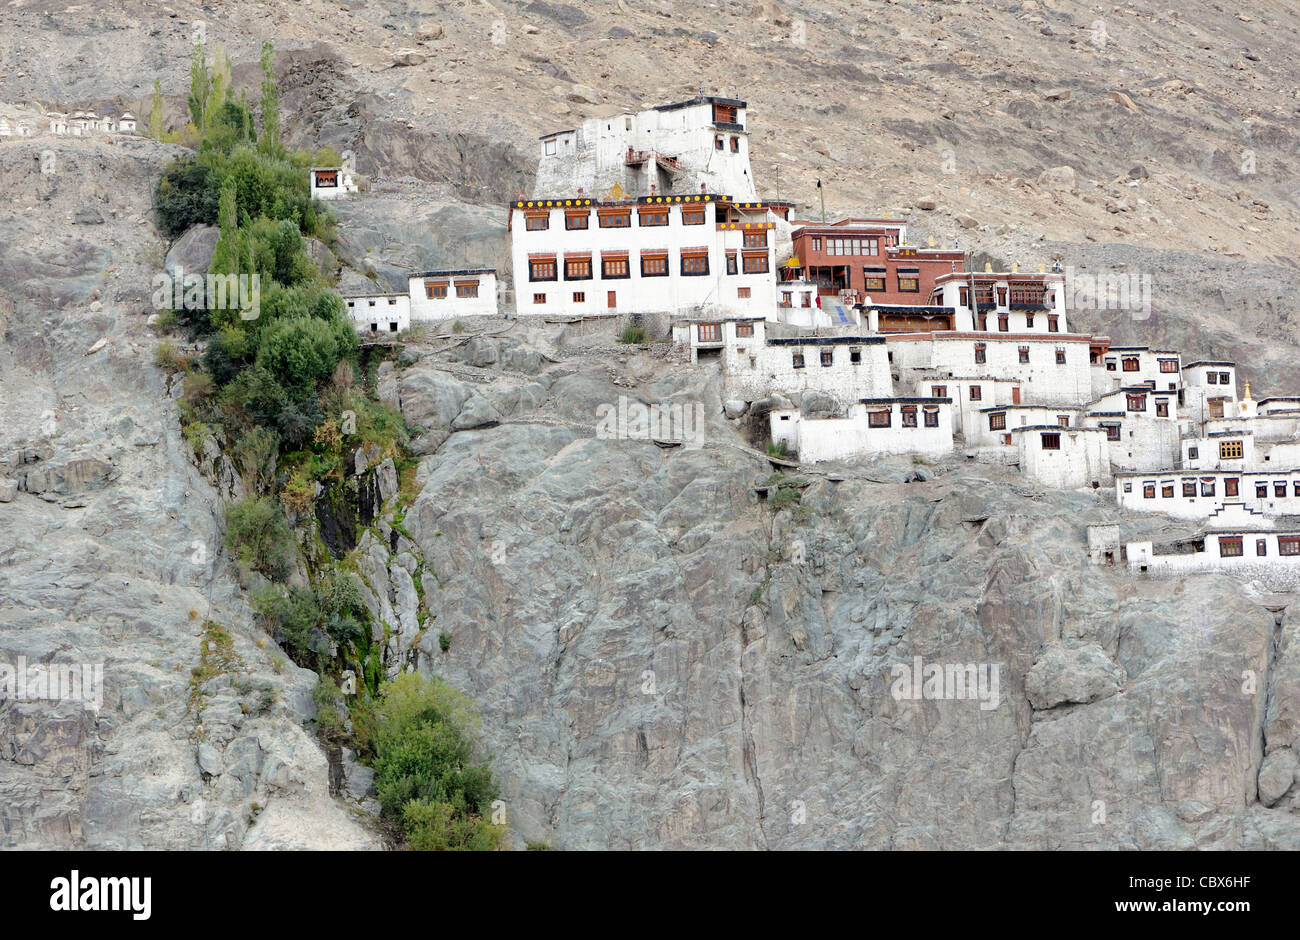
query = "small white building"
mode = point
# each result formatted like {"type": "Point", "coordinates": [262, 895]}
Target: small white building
{"type": "Point", "coordinates": [1128, 366]}
{"type": "Point", "coordinates": [24, 128]}
{"type": "Point", "coordinates": [989, 429]}
{"type": "Point", "coordinates": [1141, 426]}
{"type": "Point", "coordinates": [798, 304]}
{"type": "Point", "coordinates": [107, 123]}
{"type": "Point", "coordinates": [1063, 458]}
{"type": "Point", "coordinates": [1209, 389]}
{"type": "Point", "coordinates": [970, 395]}
{"type": "Point", "coordinates": [5, 129]}
{"type": "Point", "coordinates": [445, 295]}
{"type": "Point", "coordinates": [379, 313]}
{"type": "Point", "coordinates": [1270, 558]}
{"type": "Point", "coordinates": [1010, 302]}
{"type": "Point", "coordinates": [126, 124]}
{"type": "Point", "coordinates": [58, 122]}
{"type": "Point", "coordinates": [328, 182]}
{"type": "Point", "coordinates": [673, 149]}
{"type": "Point", "coordinates": [874, 427]}
{"type": "Point", "coordinates": [1103, 544]}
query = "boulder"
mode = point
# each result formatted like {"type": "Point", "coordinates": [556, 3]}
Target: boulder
{"type": "Point", "coordinates": [1059, 178]}
{"type": "Point", "coordinates": [1276, 774]}
{"type": "Point", "coordinates": [192, 252]}
{"type": "Point", "coordinates": [1072, 674]}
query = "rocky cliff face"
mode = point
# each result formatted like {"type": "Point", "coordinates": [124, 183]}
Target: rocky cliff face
{"type": "Point", "coordinates": [110, 553]}
{"type": "Point", "coordinates": [661, 658]}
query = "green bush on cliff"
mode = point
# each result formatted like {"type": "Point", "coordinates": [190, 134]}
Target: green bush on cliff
{"type": "Point", "coordinates": [430, 774]}
{"type": "Point", "coordinates": [259, 537]}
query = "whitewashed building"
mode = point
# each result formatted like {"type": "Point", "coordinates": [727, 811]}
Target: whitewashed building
{"type": "Point", "coordinates": [1003, 302]}
{"type": "Point", "coordinates": [1063, 458]}
{"type": "Point", "coordinates": [990, 428]}
{"type": "Point", "coordinates": [682, 255]}
{"type": "Point", "coordinates": [673, 149]}
{"type": "Point", "coordinates": [970, 395]}
{"type": "Point", "coordinates": [379, 313]}
{"type": "Point", "coordinates": [1141, 426]}
{"type": "Point", "coordinates": [126, 123]}
{"type": "Point", "coordinates": [873, 427]}
{"type": "Point", "coordinates": [1268, 557]}
{"type": "Point", "coordinates": [328, 182]}
{"type": "Point", "coordinates": [1128, 366]}
{"type": "Point", "coordinates": [445, 295]}
{"type": "Point", "coordinates": [1048, 369]}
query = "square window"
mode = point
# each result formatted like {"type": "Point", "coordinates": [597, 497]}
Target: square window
{"type": "Point", "coordinates": [1230, 547]}
{"type": "Point", "coordinates": [975, 393]}
{"type": "Point", "coordinates": [909, 416]}
{"type": "Point", "coordinates": [1166, 491]}
{"type": "Point", "coordinates": [579, 297]}
{"type": "Point", "coordinates": [537, 223]}
{"type": "Point", "coordinates": [828, 357]}
{"type": "Point", "coordinates": [1230, 450]}
{"type": "Point", "coordinates": [797, 360]}
{"type": "Point", "coordinates": [1261, 491]}
{"type": "Point", "coordinates": [539, 298]}
{"type": "Point", "coordinates": [997, 420]}
{"type": "Point", "coordinates": [577, 269]}
{"type": "Point", "coordinates": [1193, 453]}
{"type": "Point", "coordinates": [931, 417]}
{"type": "Point", "coordinates": [616, 267]}
{"type": "Point", "coordinates": [1230, 486]}
{"type": "Point", "coordinates": [1207, 486]}
{"type": "Point", "coordinates": [574, 221]}
{"type": "Point", "coordinates": [754, 262]}
{"type": "Point", "coordinates": [1189, 487]}
{"type": "Point", "coordinates": [709, 332]}
{"type": "Point", "coordinates": [938, 391]}
{"type": "Point", "coordinates": [542, 269]}
{"type": "Point", "coordinates": [879, 419]}
{"type": "Point", "coordinates": [1051, 441]}
{"type": "Point", "coordinates": [855, 358]}
{"type": "Point", "coordinates": [1148, 491]}
{"type": "Point", "coordinates": [692, 215]}
{"type": "Point", "coordinates": [744, 329]}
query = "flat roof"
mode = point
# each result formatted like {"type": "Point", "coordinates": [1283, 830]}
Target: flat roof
{"type": "Point", "coordinates": [905, 400]}
{"type": "Point", "coordinates": [1054, 427]}
{"type": "Point", "coordinates": [825, 340]}
{"type": "Point", "coordinates": [701, 99]}
{"type": "Point", "coordinates": [1207, 362]}
{"type": "Point", "coordinates": [572, 130]}
{"type": "Point", "coordinates": [454, 273]}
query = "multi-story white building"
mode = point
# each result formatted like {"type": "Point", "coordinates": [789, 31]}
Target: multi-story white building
{"type": "Point", "coordinates": [673, 149]}
{"type": "Point", "coordinates": [682, 255]}
{"type": "Point", "coordinates": [1047, 369]}
{"type": "Point", "coordinates": [1062, 457]}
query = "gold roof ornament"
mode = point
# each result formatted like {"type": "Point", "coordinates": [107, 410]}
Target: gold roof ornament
{"type": "Point", "coordinates": [1015, 267]}
{"type": "Point", "coordinates": [988, 267]}
{"type": "Point", "coordinates": [1042, 269]}
{"type": "Point", "coordinates": [930, 241]}
{"type": "Point", "coordinates": [1247, 391]}
{"type": "Point", "coordinates": [618, 193]}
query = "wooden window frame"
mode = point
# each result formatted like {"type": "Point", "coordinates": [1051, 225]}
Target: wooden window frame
{"type": "Point", "coordinates": [1231, 450]}
{"type": "Point", "coordinates": [744, 329]}
{"type": "Point", "coordinates": [531, 220]}
{"type": "Point", "coordinates": [652, 217]}
{"type": "Point", "coordinates": [998, 421]}
{"type": "Point", "coordinates": [435, 290]}
{"type": "Point", "coordinates": [880, 419]}
{"type": "Point", "coordinates": [1051, 440]}
{"type": "Point", "coordinates": [551, 262]}
{"type": "Point", "coordinates": [754, 262]}
{"type": "Point", "coordinates": [616, 258]}
{"type": "Point", "coordinates": [692, 259]}
{"type": "Point", "coordinates": [1231, 546]}
{"type": "Point", "coordinates": [908, 416]}
{"type": "Point", "coordinates": [657, 259]}
{"type": "Point", "coordinates": [689, 214]}
{"type": "Point", "coordinates": [579, 261]}
{"type": "Point", "coordinates": [467, 290]}
{"type": "Point", "coordinates": [572, 216]}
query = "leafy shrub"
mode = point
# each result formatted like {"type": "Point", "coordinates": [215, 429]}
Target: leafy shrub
{"type": "Point", "coordinates": [170, 359]}
{"type": "Point", "coordinates": [430, 773]}
{"type": "Point", "coordinates": [777, 450]}
{"type": "Point", "coordinates": [632, 334]}
{"type": "Point", "coordinates": [194, 433]}
{"type": "Point", "coordinates": [444, 641]}
{"type": "Point", "coordinates": [186, 195]}
{"type": "Point", "coordinates": [258, 535]}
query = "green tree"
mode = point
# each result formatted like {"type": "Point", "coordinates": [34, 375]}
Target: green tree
{"type": "Point", "coordinates": [200, 86]}
{"type": "Point", "coordinates": [156, 112]}
{"type": "Point", "coordinates": [269, 142]}
{"type": "Point", "coordinates": [302, 352]}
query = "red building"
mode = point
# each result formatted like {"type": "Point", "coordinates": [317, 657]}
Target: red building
{"type": "Point", "coordinates": [869, 257]}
